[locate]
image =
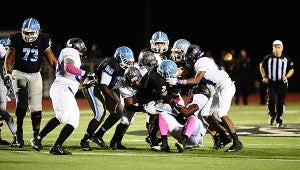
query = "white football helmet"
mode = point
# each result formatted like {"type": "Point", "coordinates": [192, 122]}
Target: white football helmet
{"type": "Point", "coordinates": [124, 56]}
{"type": "Point", "coordinates": [30, 30]}
{"type": "Point", "coordinates": [167, 69]}
{"type": "Point", "coordinates": [159, 42]}
{"type": "Point", "coordinates": [179, 49]}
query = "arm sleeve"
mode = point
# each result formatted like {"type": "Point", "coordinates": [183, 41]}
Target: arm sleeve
{"type": "Point", "coordinates": [73, 70]}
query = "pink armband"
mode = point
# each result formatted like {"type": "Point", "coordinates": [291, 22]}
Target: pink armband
{"type": "Point", "coordinates": [73, 70]}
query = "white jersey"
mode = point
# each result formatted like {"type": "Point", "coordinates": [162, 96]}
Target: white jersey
{"type": "Point", "coordinates": [64, 88]}
{"type": "Point", "coordinates": [72, 54]}
{"type": "Point", "coordinates": [224, 86]}
{"type": "Point", "coordinates": [125, 89]}
{"type": "Point", "coordinates": [200, 100]}
{"type": "Point", "coordinates": [214, 74]}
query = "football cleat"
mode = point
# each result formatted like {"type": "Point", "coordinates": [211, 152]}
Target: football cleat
{"type": "Point", "coordinates": [235, 147]}
{"type": "Point", "coordinates": [218, 144]}
{"type": "Point", "coordinates": [181, 146]}
{"type": "Point", "coordinates": [225, 138]}
{"type": "Point", "coordinates": [58, 150]}
{"type": "Point", "coordinates": [165, 147]}
{"type": "Point", "coordinates": [116, 145]}
{"type": "Point", "coordinates": [100, 142]}
{"type": "Point", "coordinates": [14, 143]}
{"type": "Point", "coordinates": [36, 144]}
{"type": "Point", "coordinates": [85, 145]}
{"type": "Point", "coordinates": [153, 141]}
{"type": "Point", "coordinates": [21, 142]}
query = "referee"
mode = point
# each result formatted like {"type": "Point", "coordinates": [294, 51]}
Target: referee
{"type": "Point", "coordinates": [276, 69]}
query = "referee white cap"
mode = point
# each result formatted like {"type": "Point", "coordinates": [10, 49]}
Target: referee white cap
{"type": "Point", "coordinates": [277, 42]}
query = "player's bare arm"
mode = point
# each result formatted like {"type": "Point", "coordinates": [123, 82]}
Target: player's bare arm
{"type": "Point", "coordinates": [187, 111]}
{"type": "Point", "coordinates": [9, 59]}
{"type": "Point", "coordinates": [105, 89]}
{"type": "Point", "coordinates": [130, 105]}
{"type": "Point", "coordinates": [196, 79]}
{"type": "Point", "coordinates": [51, 58]}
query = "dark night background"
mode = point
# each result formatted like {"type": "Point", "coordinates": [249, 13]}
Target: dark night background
{"type": "Point", "coordinates": [213, 25]}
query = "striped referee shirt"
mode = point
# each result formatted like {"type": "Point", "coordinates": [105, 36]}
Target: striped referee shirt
{"type": "Point", "coordinates": [276, 67]}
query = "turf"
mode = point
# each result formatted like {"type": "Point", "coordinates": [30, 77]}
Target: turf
{"type": "Point", "coordinates": [265, 147]}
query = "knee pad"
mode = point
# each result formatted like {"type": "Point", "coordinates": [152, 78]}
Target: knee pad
{"type": "Point", "coordinates": [36, 116]}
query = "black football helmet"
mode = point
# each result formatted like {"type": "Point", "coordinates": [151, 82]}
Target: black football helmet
{"type": "Point", "coordinates": [194, 52]}
{"type": "Point", "coordinates": [77, 44]}
{"type": "Point", "coordinates": [132, 75]}
{"type": "Point", "coordinates": [147, 58]}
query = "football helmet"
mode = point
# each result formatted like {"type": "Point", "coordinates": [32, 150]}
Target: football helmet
{"type": "Point", "coordinates": [159, 37]}
{"type": "Point", "coordinates": [77, 44]}
{"type": "Point", "coordinates": [147, 58]}
{"type": "Point", "coordinates": [168, 69]}
{"type": "Point", "coordinates": [179, 49]}
{"type": "Point", "coordinates": [30, 30]}
{"type": "Point", "coordinates": [132, 75]}
{"type": "Point", "coordinates": [193, 53]}
{"type": "Point", "coordinates": [199, 89]}
{"type": "Point", "coordinates": [124, 56]}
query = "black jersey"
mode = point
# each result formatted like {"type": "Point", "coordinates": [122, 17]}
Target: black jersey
{"type": "Point", "coordinates": [112, 67]}
{"type": "Point", "coordinates": [28, 57]}
{"type": "Point", "coordinates": [151, 87]}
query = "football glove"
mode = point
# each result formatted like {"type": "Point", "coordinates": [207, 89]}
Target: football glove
{"type": "Point", "coordinates": [90, 80]}
{"type": "Point", "coordinates": [150, 108]}
{"type": "Point", "coordinates": [8, 81]}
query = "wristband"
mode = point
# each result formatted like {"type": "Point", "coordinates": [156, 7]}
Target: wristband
{"type": "Point", "coordinates": [181, 81]}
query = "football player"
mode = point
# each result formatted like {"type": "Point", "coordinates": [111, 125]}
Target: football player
{"type": "Point", "coordinates": [219, 81]}
{"type": "Point", "coordinates": [62, 93]}
{"type": "Point", "coordinates": [195, 127]}
{"type": "Point", "coordinates": [127, 88]}
{"type": "Point", "coordinates": [22, 70]}
{"type": "Point", "coordinates": [159, 46]}
{"type": "Point", "coordinates": [4, 115]}
{"type": "Point", "coordinates": [102, 97]}
{"type": "Point", "coordinates": [154, 88]}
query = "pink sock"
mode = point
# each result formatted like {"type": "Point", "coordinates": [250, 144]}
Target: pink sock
{"type": "Point", "coordinates": [189, 128]}
{"type": "Point", "coordinates": [163, 126]}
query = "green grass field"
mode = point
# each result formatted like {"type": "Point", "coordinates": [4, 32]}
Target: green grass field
{"type": "Point", "coordinates": [264, 147]}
